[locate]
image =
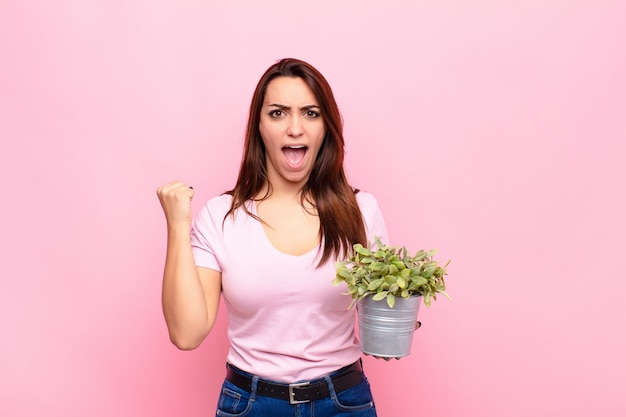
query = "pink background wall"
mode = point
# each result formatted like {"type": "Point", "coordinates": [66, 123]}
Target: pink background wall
{"type": "Point", "coordinates": [499, 127]}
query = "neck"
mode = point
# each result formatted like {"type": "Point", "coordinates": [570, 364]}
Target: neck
{"type": "Point", "coordinates": [281, 188]}
{"type": "Point", "coordinates": [281, 191]}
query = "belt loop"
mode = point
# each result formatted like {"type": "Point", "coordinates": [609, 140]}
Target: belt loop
{"type": "Point", "coordinates": [253, 388]}
{"type": "Point", "coordinates": [331, 387]}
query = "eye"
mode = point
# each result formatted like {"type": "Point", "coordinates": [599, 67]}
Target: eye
{"type": "Point", "coordinates": [276, 114]}
{"type": "Point", "coordinates": [312, 114]}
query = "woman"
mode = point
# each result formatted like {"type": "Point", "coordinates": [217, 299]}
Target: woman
{"type": "Point", "coordinates": [269, 246]}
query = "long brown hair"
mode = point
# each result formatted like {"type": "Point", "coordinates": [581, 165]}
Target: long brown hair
{"type": "Point", "coordinates": [341, 222]}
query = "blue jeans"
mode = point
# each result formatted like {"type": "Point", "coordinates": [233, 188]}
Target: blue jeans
{"type": "Point", "coordinates": [353, 402]}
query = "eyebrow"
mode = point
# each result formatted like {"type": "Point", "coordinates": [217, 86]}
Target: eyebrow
{"type": "Point", "coordinates": [284, 107]}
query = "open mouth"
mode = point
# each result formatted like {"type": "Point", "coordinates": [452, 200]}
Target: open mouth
{"type": "Point", "coordinates": [295, 154]}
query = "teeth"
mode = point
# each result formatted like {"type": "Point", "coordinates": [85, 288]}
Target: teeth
{"type": "Point", "coordinates": [295, 147]}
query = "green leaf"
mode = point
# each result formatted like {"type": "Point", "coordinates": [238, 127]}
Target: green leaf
{"type": "Point", "coordinates": [377, 266]}
{"type": "Point", "coordinates": [418, 281]}
{"type": "Point", "coordinates": [358, 248]}
{"type": "Point", "coordinates": [375, 284]}
{"type": "Point", "coordinates": [379, 296]}
{"type": "Point", "coordinates": [428, 272]}
{"type": "Point", "coordinates": [345, 274]}
{"type": "Point", "coordinates": [420, 256]}
{"type": "Point", "coordinates": [390, 279]}
{"type": "Point", "coordinates": [427, 299]}
{"type": "Point", "coordinates": [399, 264]}
{"type": "Point", "coordinates": [391, 300]}
{"type": "Point", "coordinates": [445, 294]}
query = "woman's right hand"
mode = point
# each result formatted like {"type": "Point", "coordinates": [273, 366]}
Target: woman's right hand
{"type": "Point", "coordinates": [175, 198]}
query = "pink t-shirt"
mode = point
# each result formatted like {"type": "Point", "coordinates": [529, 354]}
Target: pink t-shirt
{"type": "Point", "coordinates": [286, 320]}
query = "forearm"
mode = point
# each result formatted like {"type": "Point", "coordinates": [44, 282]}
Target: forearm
{"type": "Point", "coordinates": [184, 303]}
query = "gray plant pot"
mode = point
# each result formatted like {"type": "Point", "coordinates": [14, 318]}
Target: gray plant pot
{"type": "Point", "coordinates": [387, 332]}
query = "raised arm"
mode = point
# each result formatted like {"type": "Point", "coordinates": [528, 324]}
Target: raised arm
{"type": "Point", "coordinates": [190, 294]}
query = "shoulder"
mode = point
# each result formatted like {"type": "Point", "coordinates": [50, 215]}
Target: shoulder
{"type": "Point", "coordinates": [367, 202]}
{"type": "Point", "coordinates": [215, 208]}
{"type": "Point", "coordinates": [220, 203]}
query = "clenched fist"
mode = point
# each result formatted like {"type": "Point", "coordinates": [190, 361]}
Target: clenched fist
{"type": "Point", "coordinates": [175, 198]}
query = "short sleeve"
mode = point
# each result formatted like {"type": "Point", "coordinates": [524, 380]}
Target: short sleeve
{"type": "Point", "coordinates": [205, 233]}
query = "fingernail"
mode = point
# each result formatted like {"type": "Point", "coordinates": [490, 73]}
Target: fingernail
{"type": "Point", "coordinates": [191, 187]}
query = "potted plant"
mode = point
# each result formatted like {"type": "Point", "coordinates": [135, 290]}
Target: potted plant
{"type": "Point", "coordinates": [388, 284]}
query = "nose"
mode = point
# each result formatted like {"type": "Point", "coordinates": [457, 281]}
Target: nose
{"type": "Point", "coordinates": [295, 127]}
